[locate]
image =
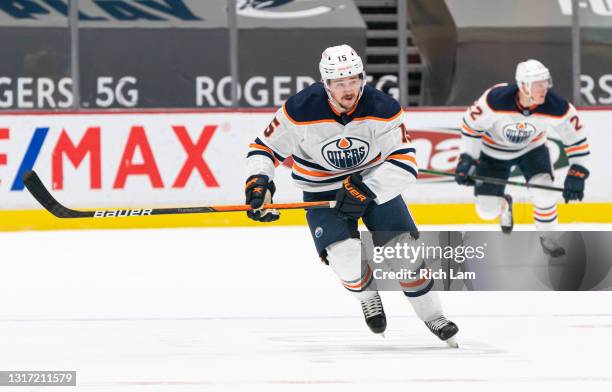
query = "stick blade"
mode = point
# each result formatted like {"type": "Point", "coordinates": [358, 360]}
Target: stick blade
{"type": "Point", "coordinates": [35, 186]}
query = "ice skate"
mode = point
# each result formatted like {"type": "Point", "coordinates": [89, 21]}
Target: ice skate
{"type": "Point", "coordinates": [551, 248]}
{"type": "Point", "coordinates": [506, 219]}
{"type": "Point", "coordinates": [444, 329]}
{"type": "Point", "coordinates": [374, 314]}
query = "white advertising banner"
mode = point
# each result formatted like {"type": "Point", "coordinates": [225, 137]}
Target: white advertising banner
{"type": "Point", "coordinates": [198, 158]}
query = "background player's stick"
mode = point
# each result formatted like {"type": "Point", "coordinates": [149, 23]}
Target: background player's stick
{"type": "Point", "coordinates": [491, 180]}
{"type": "Point", "coordinates": [40, 193]}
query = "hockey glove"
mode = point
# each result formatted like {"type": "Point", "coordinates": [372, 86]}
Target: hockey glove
{"type": "Point", "coordinates": [465, 168]}
{"type": "Point", "coordinates": [574, 183]}
{"type": "Point", "coordinates": [353, 198]}
{"type": "Point", "coordinates": [259, 192]}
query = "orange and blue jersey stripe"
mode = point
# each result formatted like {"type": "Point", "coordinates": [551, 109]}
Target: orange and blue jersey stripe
{"type": "Point", "coordinates": [417, 287]}
{"type": "Point", "coordinates": [578, 149]}
{"type": "Point", "coordinates": [361, 283]}
{"type": "Point", "coordinates": [258, 147]}
{"type": "Point", "coordinates": [545, 214]}
{"type": "Point", "coordinates": [466, 130]}
{"type": "Point", "coordinates": [404, 158]}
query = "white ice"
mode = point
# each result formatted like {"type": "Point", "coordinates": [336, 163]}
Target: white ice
{"type": "Point", "coordinates": [243, 308]}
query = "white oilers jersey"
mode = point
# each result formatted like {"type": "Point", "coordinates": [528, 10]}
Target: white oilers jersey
{"type": "Point", "coordinates": [327, 146]}
{"type": "Point", "coordinates": [497, 126]}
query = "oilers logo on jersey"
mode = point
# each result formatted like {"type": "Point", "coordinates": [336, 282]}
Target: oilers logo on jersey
{"type": "Point", "coordinates": [519, 133]}
{"type": "Point", "coordinates": [346, 152]}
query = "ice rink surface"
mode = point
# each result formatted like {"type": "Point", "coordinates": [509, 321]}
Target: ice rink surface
{"type": "Point", "coordinates": [253, 308]}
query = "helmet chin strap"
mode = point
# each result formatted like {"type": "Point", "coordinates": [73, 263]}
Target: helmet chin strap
{"type": "Point", "coordinates": [530, 98]}
{"type": "Point", "coordinates": [337, 104]}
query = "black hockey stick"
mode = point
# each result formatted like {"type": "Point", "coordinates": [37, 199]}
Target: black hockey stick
{"type": "Point", "coordinates": [40, 193]}
{"type": "Point", "coordinates": [496, 181]}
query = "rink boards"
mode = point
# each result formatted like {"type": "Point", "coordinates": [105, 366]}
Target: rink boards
{"type": "Point", "coordinates": [180, 158]}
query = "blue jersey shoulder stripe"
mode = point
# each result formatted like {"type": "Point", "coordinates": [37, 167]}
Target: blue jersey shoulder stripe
{"type": "Point", "coordinates": [554, 105]}
{"type": "Point", "coordinates": [503, 98]}
{"type": "Point", "coordinates": [375, 103]}
{"type": "Point", "coordinates": [312, 104]}
{"type": "Point", "coordinates": [309, 104]}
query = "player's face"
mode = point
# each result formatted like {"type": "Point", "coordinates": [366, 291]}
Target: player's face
{"type": "Point", "coordinates": [345, 91]}
{"type": "Point", "coordinates": [538, 91]}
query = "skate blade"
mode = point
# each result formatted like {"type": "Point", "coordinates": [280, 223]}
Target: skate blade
{"type": "Point", "coordinates": [382, 335]}
{"type": "Point", "coordinates": [452, 343]}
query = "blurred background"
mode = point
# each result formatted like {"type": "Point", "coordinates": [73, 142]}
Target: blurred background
{"type": "Point", "coordinates": [188, 53]}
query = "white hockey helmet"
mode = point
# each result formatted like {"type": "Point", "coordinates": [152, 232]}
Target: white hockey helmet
{"type": "Point", "coordinates": [531, 71]}
{"type": "Point", "coordinates": [340, 62]}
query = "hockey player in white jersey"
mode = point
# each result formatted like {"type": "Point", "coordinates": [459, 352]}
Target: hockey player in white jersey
{"type": "Point", "coordinates": [508, 127]}
{"type": "Point", "coordinates": [349, 144]}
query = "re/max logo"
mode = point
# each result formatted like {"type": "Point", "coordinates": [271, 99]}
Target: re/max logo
{"type": "Point", "coordinates": [137, 158]}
